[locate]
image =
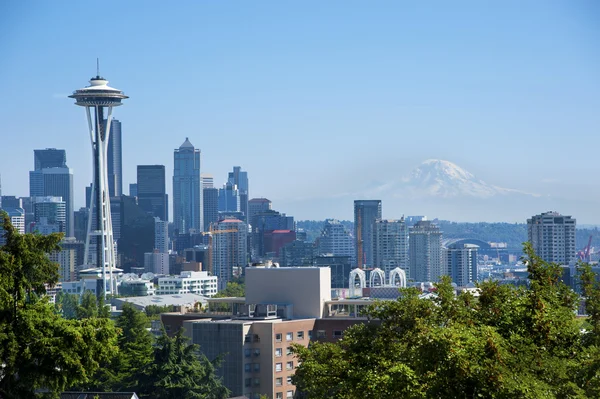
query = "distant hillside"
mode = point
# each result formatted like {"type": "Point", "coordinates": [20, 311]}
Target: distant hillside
{"type": "Point", "coordinates": [514, 234]}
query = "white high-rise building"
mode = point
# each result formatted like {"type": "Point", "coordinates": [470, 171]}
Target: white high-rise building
{"type": "Point", "coordinates": [188, 283]}
{"type": "Point", "coordinates": [66, 259]}
{"type": "Point", "coordinates": [391, 245]}
{"type": "Point", "coordinates": [161, 235]}
{"type": "Point", "coordinates": [552, 236]}
{"type": "Point", "coordinates": [336, 240]}
{"type": "Point", "coordinates": [425, 248]}
{"type": "Point", "coordinates": [460, 263]}
{"type": "Point", "coordinates": [229, 243]}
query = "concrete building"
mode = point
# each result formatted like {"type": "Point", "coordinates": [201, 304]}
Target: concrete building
{"type": "Point", "coordinates": [161, 235]}
{"type": "Point", "coordinates": [460, 263]}
{"type": "Point", "coordinates": [152, 191]}
{"type": "Point", "coordinates": [207, 180]}
{"type": "Point", "coordinates": [229, 244]}
{"type": "Point", "coordinates": [200, 283]}
{"type": "Point", "coordinates": [17, 218]}
{"type": "Point", "coordinates": [391, 245]}
{"type": "Point", "coordinates": [553, 237]}
{"type": "Point", "coordinates": [264, 222]}
{"type": "Point", "coordinates": [67, 260]}
{"type": "Point", "coordinates": [187, 189]}
{"type": "Point", "coordinates": [366, 212]}
{"type": "Point", "coordinates": [257, 205]}
{"type": "Point", "coordinates": [156, 262]}
{"type": "Point", "coordinates": [336, 240]}
{"type": "Point", "coordinates": [133, 189]}
{"type": "Point", "coordinates": [425, 247]}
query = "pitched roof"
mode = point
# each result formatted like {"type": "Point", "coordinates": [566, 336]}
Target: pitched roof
{"type": "Point", "coordinates": [186, 144]}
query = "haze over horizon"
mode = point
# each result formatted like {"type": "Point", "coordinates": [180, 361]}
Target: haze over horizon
{"type": "Point", "coordinates": [322, 103]}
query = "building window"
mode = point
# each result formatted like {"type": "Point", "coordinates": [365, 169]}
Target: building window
{"type": "Point", "coordinates": [279, 395]}
{"type": "Point", "coordinates": [247, 352]}
{"type": "Point", "coordinates": [257, 352]}
{"type": "Point", "coordinates": [288, 350]}
{"type": "Point", "coordinates": [257, 367]}
{"type": "Point", "coordinates": [278, 367]}
{"type": "Point", "coordinates": [300, 335]}
{"type": "Point", "coordinates": [321, 334]}
{"type": "Point", "coordinates": [289, 336]}
{"type": "Point", "coordinates": [278, 381]}
{"type": "Point", "coordinates": [289, 366]}
{"type": "Point", "coordinates": [256, 338]}
{"type": "Point", "coordinates": [257, 382]}
{"type": "Point", "coordinates": [248, 382]}
{"type": "Point", "coordinates": [309, 334]}
{"type": "Point", "coordinates": [278, 352]}
{"type": "Point", "coordinates": [247, 367]}
{"type": "Point", "coordinates": [248, 339]}
{"type": "Point", "coordinates": [289, 380]}
{"type": "Point", "coordinates": [337, 334]}
{"type": "Point", "coordinates": [290, 394]}
{"type": "Point", "coordinates": [278, 337]}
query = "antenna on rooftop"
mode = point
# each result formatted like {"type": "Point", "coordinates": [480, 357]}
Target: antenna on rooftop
{"type": "Point", "coordinates": [97, 66]}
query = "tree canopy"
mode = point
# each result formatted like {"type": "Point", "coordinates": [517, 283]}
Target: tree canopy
{"type": "Point", "coordinates": [508, 342]}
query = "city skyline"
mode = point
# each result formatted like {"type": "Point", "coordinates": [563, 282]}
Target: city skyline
{"type": "Point", "coordinates": [345, 106]}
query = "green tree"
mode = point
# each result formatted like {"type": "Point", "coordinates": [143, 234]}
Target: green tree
{"type": "Point", "coordinates": [508, 342]}
{"type": "Point", "coordinates": [66, 304]}
{"type": "Point", "coordinates": [179, 371]}
{"type": "Point", "coordinates": [153, 311]}
{"type": "Point", "coordinates": [39, 349]}
{"type": "Point", "coordinates": [233, 289]}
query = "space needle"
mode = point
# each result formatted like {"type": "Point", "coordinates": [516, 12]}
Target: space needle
{"type": "Point", "coordinates": [100, 98]}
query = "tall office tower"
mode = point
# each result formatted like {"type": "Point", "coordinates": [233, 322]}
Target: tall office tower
{"type": "Point", "coordinates": [240, 179]}
{"type": "Point", "coordinates": [207, 180]}
{"type": "Point", "coordinates": [67, 259]}
{"type": "Point", "coordinates": [552, 236]}
{"type": "Point", "coordinates": [187, 189]}
{"type": "Point", "coordinates": [425, 248]}
{"type": "Point", "coordinates": [49, 158]}
{"type": "Point", "coordinates": [161, 236]}
{"type": "Point", "coordinates": [137, 234]}
{"type": "Point", "coordinates": [298, 253]}
{"type": "Point", "coordinates": [391, 245]}
{"type": "Point", "coordinates": [257, 205]}
{"type": "Point", "coordinates": [229, 198]}
{"type": "Point", "coordinates": [366, 212]}
{"type": "Point", "coordinates": [80, 218]}
{"type": "Point", "coordinates": [50, 215]}
{"type": "Point", "coordinates": [100, 97]}
{"type": "Point", "coordinates": [263, 223]}
{"type": "Point", "coordinates": [10, 201]}
{"type": "Point", "coordinates": [115, 160]}
{"type": "Point", "coordinates": [27, 205]}
{"type": "Point", "coordinates": [152, 190]}
{"type": "Point", "coordinates": [336, 240]}
{"type": "Point", "coordinates": [229, 246]}
{"type": "Point", "coordinates": [54, 182]}
{"type": "Point", "coordinates": [210, 199]}
{"type": "Point", "coordinates": [133, 189]}
{"type": "Point", "coordinates": [460, 263]}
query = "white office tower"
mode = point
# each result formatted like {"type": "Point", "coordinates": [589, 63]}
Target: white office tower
{"type": "Point", "coordinates": [100, 98]}
{"type": "Point", "coordinates": [460, 262]}
{"type": "Point", "coordinates": [229, 244]}
{"type": "Point", "coordinates": [425, 248]}
{"type": "Point", "coordinates": [391, 245]}
{"type": "Point", "coordinates": [336, 240]}
{"type": "Point", "coordinates": [552, 236]}
{"type": "Point", "coordinates": [161, 235]}
{"type": "Point", "coordinates": [66, 259]}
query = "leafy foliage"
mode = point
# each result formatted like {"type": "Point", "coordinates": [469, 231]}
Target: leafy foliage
{"type": "Point", "coordinates": [233, 289]}
{"type": "Point", "coordinates": [39, 349]}
{"type": "Point", "coordinates": [509, 342]}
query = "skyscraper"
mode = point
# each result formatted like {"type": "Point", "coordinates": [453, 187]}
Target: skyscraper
{"type": "Point", "coordinates": [336, 240]}
{"type": "Point", "coordinates": [161, 236]}
{"type": "Point", "coordinates": [425, 248]}
{"type": "Point", "coordinates": [366, 212]}
{"type": "Point", "coordinates": [152, 190]}
{"type": "Point", "coordinates": [391, 245]}
{"type": "Point", "coordinates": [229, 245]}
{"type": "Point", "coordinates": [187, 189]}
{"type": "Point", "coordinates": [49, 158]}
{"type": "Point", "coordinates": [460, 263]}
{"type": "Point", "coordinates": [240, 179]}
{"type": "Point", "coordinates": [229, 198]}
{"type": "Point", "coordinates": [115, 160]}
{"type": "Point", "coordinates": [210, 199]}
{"type": "Point", "coordinates": [55, 182]}
{"type": "Point", "coordinates": [257, 205]}
{"type": "Point", "coordinates": [552, 236]}
{"type": "Point", "coordinates": [50, 215]}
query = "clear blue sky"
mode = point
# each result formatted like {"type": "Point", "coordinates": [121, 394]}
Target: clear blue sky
{"type": "Point", "coordinates": [314, 99]}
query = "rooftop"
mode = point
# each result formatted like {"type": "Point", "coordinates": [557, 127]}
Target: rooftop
{"type": "Point", "coordinates": [162, 300]}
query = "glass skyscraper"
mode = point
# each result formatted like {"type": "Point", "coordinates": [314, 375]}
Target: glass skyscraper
{"type": "Point", "coordinates": [187, 189]}
{"type": "Point", "coordinates": [152, 191]}
{"type": "Point", "coordinates": [115, 160]}
{"type": "Point", "coordinates": [366, 212]}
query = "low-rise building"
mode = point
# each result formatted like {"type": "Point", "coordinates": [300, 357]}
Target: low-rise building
{"type": "Point", "coordinates": [200, 283]}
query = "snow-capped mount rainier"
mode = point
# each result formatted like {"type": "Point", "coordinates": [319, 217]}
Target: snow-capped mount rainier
{"type": "Point", "coordinates": [444, 179]}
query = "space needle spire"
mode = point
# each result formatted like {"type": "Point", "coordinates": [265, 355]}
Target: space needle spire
{"type": "Point", "coordinates": [99, 99]}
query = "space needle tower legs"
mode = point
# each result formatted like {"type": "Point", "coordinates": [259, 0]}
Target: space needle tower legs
{"type": "Point", "coordinates": [100, 97]}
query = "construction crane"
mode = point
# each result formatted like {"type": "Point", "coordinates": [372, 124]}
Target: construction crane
{"type": "Point", "coordinates": [584, 254]}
